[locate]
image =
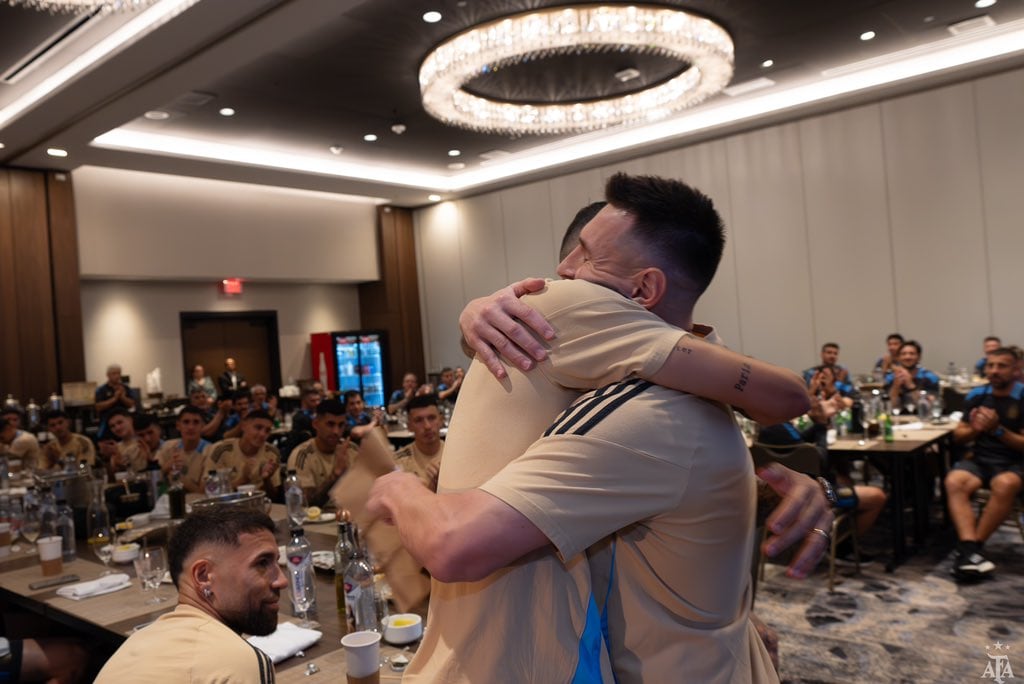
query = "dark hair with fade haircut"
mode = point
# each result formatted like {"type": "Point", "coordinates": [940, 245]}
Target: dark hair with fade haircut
{"type": "Point", "coordinates": [894, 336]}
{"type": "Point", "coordinates": [1013, 352]}
{"type": "Point", "coordinates": [830, 345]}
{"type": "Point", "coordinates": [679, 223]}
{"type": "Point", "coordinates": [141, 421]}
{"type": "Point", "coordinates": [572, 233]}
{"type": "Point", "coordinates": [9, 410]}
{"type": "Point", "coordinates": [912, 343]}
{"type": "Point", "coordinates": [257, 413]}
{"type": "Point", "coordinates": [331, 407]}
{"type": "Point", "coordinates": [422, 401]}
{"type": "Point", "coordinates": [993, 338]}
{"type": "Point", "coordinates": [351, 393]}
{"type": "Point", "coordinates": [58, 413]}
{"type": "Point", "coordinates": [192, 411]}
{"type": "Point", "coordinates": [219, 525]}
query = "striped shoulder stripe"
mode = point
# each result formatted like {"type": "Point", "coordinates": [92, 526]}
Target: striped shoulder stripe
{"type": "Point", "coordinates": [266, 666]}
{"type": "Point", "coordinates": [218, 451]}
{"type": "Point", "coordinates": [586, 413]}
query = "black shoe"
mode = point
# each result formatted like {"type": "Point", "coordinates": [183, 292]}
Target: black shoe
{"type": "Point", "coordinates": [972, 565]}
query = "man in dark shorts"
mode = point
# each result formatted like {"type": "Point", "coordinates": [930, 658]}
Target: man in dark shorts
{"type": "Point", "coordinates": [993, 420]}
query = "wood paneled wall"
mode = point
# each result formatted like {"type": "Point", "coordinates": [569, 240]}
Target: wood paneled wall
{"type": "Point", "coordinates": [40, 301]}
{"type": "Point", "coordinates": [392, 304]}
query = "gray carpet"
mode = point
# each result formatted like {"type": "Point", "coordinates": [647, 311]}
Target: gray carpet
{"type": "Point", "coordinates": [914, 625]}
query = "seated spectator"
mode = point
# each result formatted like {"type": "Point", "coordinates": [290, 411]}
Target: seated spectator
{"type": "Point", "coordinates": [148, 431]}
{"type": "Point", "coordinates": [249, 458]}
{"type": "Point", "coordinates": [990, 344]}
{"type": "Point", "coordinates": [892, 343]}
{"type": "Point", "coordinates": [185, 454]}
{"type": "Point", "coordinates": [18, 443]}
{"type": "Point", "coordinates": [66, 446]}
{"type": "Point", "coordinates": [198, 398]}
{"type": "Point", "coordinates": [114, 394]}
{"type": "Point", "coordinates": [360, 421]}
{"type": "Point", "coordinates": [201, 381]}
{"type": "Point", "coordinates": [992, 423]}
{"type": "Point", "coordinates": [224, 565]}
{"type": "Point", "coordinates": [829, 378]}
{"type": "Point", "coordinates": [422, 458]}
{"type": "Point", "coordinates": [127, 453]}
{"type": "Point", "coordinates": [241, 404]}
{"type": "Point", "coordinates": [1018, 373]}
{"type": "Point", "coordinates": [907, 378]}
{"type": "Point", "coordinates": [867, 501]}
{"type": "Point", "coordinates": [309, 399]}
{"type": "Point", "coordinates": [216, 424]}
{"type": "Point", "coordinates": [448, 388]}
{"type": "Point", "coordinates": [259, 400]}
{"type": "Point", "coordinates": [320, 461]}
{"type": "Point", "coordinates": [400, 397]}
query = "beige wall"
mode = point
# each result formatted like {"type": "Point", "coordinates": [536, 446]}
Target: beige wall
{"type": "Point", "coordinates": [901, 215]}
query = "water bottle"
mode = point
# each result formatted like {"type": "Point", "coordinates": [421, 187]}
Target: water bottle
{"type": "Point", "coordinates": [301, 577]}
{"type": "Point", "coordinates": [343, 552]}
{"type": "Point", "coordinates": [66, 530]}
{"type": "Point", "coordinates": [360, 601]}
{"type": "Point", "coordinates": [923, 406]}
{"type": "Point", "coordinates": [212, 483]}
{"type": "Point", "coordinates": [154, 479]}
{"type": "Point", "coordinates": [294, 498]}
{"type": "Point", "coordinates": [47, 513]}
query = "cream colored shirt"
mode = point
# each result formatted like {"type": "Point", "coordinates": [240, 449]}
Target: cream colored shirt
{"type": "Point", "coordinates": [79, 447]}
{"type": "Point", "coordinates": [410, 459]}
{"type": "Point", "coordinates": [24, 446]}
{"type": "Point", "coordinates": [227, 454]}
{"type": "Point", "coordinates": [192, 472]}
{"type": "Point", "coordinates": [313, 466]}
{"type": "Point", "coordinates": [524, 622]}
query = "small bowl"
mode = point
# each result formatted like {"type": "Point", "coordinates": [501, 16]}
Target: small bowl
{"type": "Point", "coordinates": [125, 553]}
{"type": "Point", "coordinates": [403, 628]}
{"type": "Point", "coordinates": [139, 519]}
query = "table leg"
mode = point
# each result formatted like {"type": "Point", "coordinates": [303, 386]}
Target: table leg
{"type": "Point", "coordinates": [899, 540]}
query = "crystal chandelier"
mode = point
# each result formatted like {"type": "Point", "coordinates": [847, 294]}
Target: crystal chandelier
{"type": "Point", "coordinates": [701, 43]}
{"type": "Point", "coordinates": [79, 6]}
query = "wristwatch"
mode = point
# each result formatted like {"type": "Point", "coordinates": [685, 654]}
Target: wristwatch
{"type": "Point", "coordinates": [998, 432]}
{"type": "Point", "coordinates": [828, 491]}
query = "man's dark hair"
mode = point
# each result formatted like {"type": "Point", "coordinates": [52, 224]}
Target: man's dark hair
{"type": "Point", "coordinates": [830, 345]}
{"type": "Point", "coordinates": [10, 410]}
{"type": "Point", "coordinates": [221, 525]}
{"type": "Point", "coordinates": [422, 401]}
{"type": "Point", "coordinates": [243, 393]}
{"type": "Point", "coordinates": [911, 343]}
{"type": "Point", "coordinates": [141, 421]}
{"type": "Point", "coordinates": [257, 413]}
{"type": "Point", "coordinates": [677, 223]}
{"type": "Point", "coordinates": [1012, 352]}
{"type": "Point", "coordinates": [572, 233]}
{"type": "Point", "coordinates": [894, 336]}
{"type": "Point", "coordinates": [993, 338]}
{"type": "Point", "coordinates": [331, 407]}
{"type": "Point", "coordinates": [193, 411]}
{"type": "Point", "coordinates": [119, 411]}
{"type": "Point", "coordinates": [50, 415]}
{"type": "Point", "coordinates": [307, 391]}
{"type": "Point", "coordinates": [351, 393]}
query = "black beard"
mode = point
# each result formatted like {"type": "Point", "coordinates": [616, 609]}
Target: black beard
{"type": "Point", "coordinates": [261, 623]}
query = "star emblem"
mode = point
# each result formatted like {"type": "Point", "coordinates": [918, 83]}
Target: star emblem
{"type": "Point", "coordinates": [998, 646]}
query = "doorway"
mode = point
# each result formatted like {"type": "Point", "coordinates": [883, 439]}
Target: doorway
{"type": "Point", "coordinates": [249, 337]}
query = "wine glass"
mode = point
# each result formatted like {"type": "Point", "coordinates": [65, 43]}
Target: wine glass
{"type": "Point", "coordinates": [31, 526]}
{"type": "Point", "coordinates": [101, 541]}
{"type": "Point", "coordinates": [153, 566]}
{"type": "Point", "coordinates": [303, 602]}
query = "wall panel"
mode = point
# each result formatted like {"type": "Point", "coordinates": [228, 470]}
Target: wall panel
{"type": "Point", "coordinates": [482, 243]}
{"type": "Point", "coordinates": [567, 195]}
{"type": "Point", "coordinates": [526, 217]}
{"type": "Point", "coordinates": [442, 294]}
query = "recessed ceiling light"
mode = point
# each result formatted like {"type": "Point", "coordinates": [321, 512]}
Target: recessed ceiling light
{"type": "Point", "coordinates": [929, 19]}
{"type": "Point", "coordinates": [768, 63]}
{"type": "Point", "coordinates": [156, 115]}
{"type": "Point", "coordinates": [336, 149]}
{"type": "Point", "coordinates": [226, 111]}
{"type": "Point", "coordinates": [454, 153]}
{"type": "Point", "coordinates": [867, 35]}
{"type": "Point", "coordinates": [457, 166]}
{"type": "Point", "coordinates": [432, 17]}
{"type": "Point", "coordinates": [434, 198]}
{"type": "Point", "coordinates": [982, 4]}
{"type": "Point", "coordinates": [370, 137]}
{"type": "Point", "coordinates": [56, 152]}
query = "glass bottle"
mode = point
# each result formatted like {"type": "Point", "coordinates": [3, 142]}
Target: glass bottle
{"type": "Point", "coordinates": [359, 593]}
{"type": "Point", "coordinates": [66, 530]}
{"type": "Point", "coordinates": [343, 552]}
{"type": "Point", "coordinates": [212, 483]}
{"type": "Point", "coordinates": [47, 513]}
{"type": "Point", "coordinates": [301, 577]}
{"type": "Point", "coordinates": [294, 498]}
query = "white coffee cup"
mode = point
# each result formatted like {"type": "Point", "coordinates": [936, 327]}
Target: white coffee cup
{"type": "Point", "coordinates": [362, 653]}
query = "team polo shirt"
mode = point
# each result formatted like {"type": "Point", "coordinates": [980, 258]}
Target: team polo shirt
{"type": "Point", "coordinates": [1011, 418]}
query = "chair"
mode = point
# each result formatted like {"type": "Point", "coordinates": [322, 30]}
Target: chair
{"type": "Point", "coordinates": [1016, 516]}
{"type": "Point", "coordinates": [806, 458]}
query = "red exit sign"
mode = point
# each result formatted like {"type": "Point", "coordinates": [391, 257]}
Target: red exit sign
{"type": "Point", "coordinates": [231, 286]}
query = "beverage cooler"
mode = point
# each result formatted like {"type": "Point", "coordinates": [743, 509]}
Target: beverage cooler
{"type": "Point", "coordinates": [350, 360]}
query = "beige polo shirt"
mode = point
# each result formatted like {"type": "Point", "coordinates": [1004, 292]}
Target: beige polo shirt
{"type": "Point", "coordinates": [227, 454]}
{"type": "Point", "coordinates": [79, 447]}
{"type": "Point", "coordinates": [192, 472]}
{"type": "Point", "coordinates": [410, 459]}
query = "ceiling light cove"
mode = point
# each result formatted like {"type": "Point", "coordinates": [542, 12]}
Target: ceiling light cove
{"type": "Point", "coordinates": [703, 49]}
{"type": "Point", "coordinates": [226, 111]}
{"type": "Point", "coordinates": [370, 137]}
{"type": "Point", "coordinates": [77, 6]}
{"type": "Point", "coordinates": [56, 152]}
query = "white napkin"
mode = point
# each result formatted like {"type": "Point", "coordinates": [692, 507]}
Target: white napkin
{"type": "Point", "coordinates": [97, 587]}
{"type": "Point", "coordinates": [162, 510]}
{"type": "Point", "coordinates": [287, 640]}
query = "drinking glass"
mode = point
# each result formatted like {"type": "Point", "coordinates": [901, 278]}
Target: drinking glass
{"type": "Point", "coordinates": [153, 567]}
{"type": "Point", "coordinates": [936, 408]}
{"type": "Point", "coordinates": [865, 424]}
{"type": "Point", "coordinates": [101, 541]}
{"type": "Point", "coordinates": [30, 526]}
{"type": "Point", "coordinates": [303, 603]}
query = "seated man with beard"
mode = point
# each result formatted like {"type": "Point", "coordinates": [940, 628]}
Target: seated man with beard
{"type": "Point", "coordinates": [224, 564]}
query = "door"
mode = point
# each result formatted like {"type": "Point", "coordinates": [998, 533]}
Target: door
{"type": "Point", "coordinates": [249, 337]}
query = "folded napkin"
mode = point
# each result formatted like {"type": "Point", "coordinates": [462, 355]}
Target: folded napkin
{"type": "Point", "coordinates": [97, 587]}
{"type": "Point", "coordinates": [162, 510]}
{"type": "Point", "coordinates": [287, 640]}
{"type": "Point", "coordinates": [916, 425]}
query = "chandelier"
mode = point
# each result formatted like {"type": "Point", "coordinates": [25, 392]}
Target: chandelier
{"type": "Point", "coordinates": [655, 30]}
{"type": "Point", "coordinates": [78, 6]}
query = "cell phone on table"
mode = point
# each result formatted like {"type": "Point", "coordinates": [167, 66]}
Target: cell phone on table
{"type": "Point", "coordinates": [55, 582]}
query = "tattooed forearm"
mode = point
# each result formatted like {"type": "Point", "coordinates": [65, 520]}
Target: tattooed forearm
{"type": "Point", "coordinates": [744, 378]}
{"type": "Point", "coordinates": [685, 350]}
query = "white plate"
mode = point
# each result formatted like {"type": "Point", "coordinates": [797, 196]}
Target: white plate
{"type": "Point", "coordinates": [324, 518]}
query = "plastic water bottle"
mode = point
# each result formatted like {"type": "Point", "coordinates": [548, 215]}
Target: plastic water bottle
{"type": "Point", "coordinates": [47, 513]}
{"type": "Point", "coordinates": [343, 552]}
{"type": "Point", "coordinates": [212, 483]}
{"type": "Point", "coordinates": [66, 530]}
{"type": "Point", "coordinates": [923, 406]}
{"type": "Point", "coordinates": [360, 600]}
{"type": "Point", "coordinates": [301, 576]}
{"type": "Point", "coordinates": [294, 498]}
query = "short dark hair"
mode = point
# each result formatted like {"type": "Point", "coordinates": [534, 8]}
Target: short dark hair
{"type": "Point", "coordinates": [308, 391]}
{"type": "Point", "coordinates": [828, 345]}
{"type": "Point", "coordinates": [894, 336]}
{"type": "Point", "coordinates": [572, 233]}
{"type": "Point", "coordinates": [119, 411]}
{"type": "Point", "coordinates": [678, 224]}
{"type": "Point", "coordinates": [257, 413]}
{"type": "Point", "coordinates": [911, 343]}
{"type": "Point", "coordinates": [422, 401]}
{"type": "Point", "coordinates": [221, 525]}
{"type": "Point", "coordinates": [1017, 351]}
{"type": "Point", "coordinates": [993, 338]}
{"type": "Point", "coordinates": [241, 394]}
{"type": "Point", "coordinates": [1006, 351]}
{"type": "Point", "coordinates": [9, 410]}
{"type": "Point", "coordinates": [330, 407]}
{"type": "Point", "coordinates": [192, 411]}
{"type": "Point", "coordinates": [141, 421]}
{"type": "Point", "coordinates": [351, 393]}
{"type": "Point", "coordinates": [57, 413]}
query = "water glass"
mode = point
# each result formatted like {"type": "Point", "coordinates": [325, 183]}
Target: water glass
{"type": "Point", "coordinates": [151, 565]}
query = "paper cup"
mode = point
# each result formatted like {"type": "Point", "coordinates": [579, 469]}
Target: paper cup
{"type": "Point", "coordinates": [362, 656]}
{"type": "Point", "coordinates": [50, 555]}
{"type": "Point", "coordinates": [246, 488]}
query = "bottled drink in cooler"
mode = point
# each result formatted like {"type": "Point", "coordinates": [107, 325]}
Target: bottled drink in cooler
{"type": "Point", "coordinates": [360, 603]}
{"type": "Point", "coordinates": [294, 498]}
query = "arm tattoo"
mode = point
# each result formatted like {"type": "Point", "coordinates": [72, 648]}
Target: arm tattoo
{"type": "Point", "coordinates": [744, 378]}
{"type": "Point", "coordinates": [685, 350]}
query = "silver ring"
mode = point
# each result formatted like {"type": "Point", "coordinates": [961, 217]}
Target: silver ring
{"type": "Point", "coordinates": [823, 533]}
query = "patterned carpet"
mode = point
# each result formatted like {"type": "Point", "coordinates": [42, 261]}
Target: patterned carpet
{"type": "Point", "coordinates": [914, 625]}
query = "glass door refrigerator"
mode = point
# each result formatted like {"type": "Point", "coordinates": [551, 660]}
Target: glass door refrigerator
{"type": "Point", "coordinates": [351, 360]}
